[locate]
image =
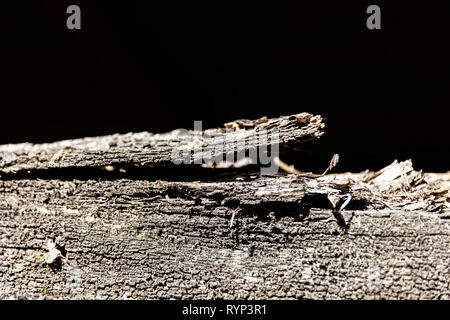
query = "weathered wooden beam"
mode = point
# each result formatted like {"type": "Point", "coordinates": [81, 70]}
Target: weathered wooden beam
{"type": "Point", "coordinates": [381, 234]}
{"type": "Point", "coordinates": [270, 238]}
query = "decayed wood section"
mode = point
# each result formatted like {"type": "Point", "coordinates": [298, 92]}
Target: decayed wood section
{"type": "Point", "coordinates": [375, 235]}
{"type": "Point", "coordinates": [145, 149]}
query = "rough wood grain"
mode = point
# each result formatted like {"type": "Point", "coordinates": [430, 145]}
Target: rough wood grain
{"type": "Point", "coordinates": [77, 235]}
{"type": "Point", "coordinates": [266, 238]}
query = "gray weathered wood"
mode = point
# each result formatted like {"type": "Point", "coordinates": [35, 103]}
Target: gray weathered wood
{"type": "Point", "coordinates": [243, 237]}
{"type": "Point", "coordinates": [158, 239]}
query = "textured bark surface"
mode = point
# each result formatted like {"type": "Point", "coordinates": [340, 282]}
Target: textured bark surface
{"type": "Point", "coordinates": [382, 234]}
{"type": "Point", "coordinates": [267, 238]}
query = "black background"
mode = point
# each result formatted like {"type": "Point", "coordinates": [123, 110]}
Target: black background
{"type": "Point", "coordinates": [160, 65]}
{"type": "Point", "coordinates": [275, 309]}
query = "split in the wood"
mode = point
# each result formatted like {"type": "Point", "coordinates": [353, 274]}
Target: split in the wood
{"type": "Point", "coordinates": [223, 154]}
{"type": "Point", "coordinates": [395, 186]}
{"type": "Point", "coordinates": [114, 216]}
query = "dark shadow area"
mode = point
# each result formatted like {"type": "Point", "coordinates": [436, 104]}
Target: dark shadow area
{"type": "Point", "coordinates": [168, 173]}
{"type": "Point", "coordinates": [157, 65]}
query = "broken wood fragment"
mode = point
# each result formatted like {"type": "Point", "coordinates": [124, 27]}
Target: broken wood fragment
{"type": "Point", "coordinates": [146, 149]}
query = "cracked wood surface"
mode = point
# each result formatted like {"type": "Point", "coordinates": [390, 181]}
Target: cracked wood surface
{"type": "Point", "coordinates": [68, 233]}
{"type": "Point", "coordinates": [158, 239]}
{"type": "Point", "coordinates": [146, 149]}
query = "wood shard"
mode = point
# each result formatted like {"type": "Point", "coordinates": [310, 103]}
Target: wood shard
{"type": "Point", "coordinates": [145, 149]}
